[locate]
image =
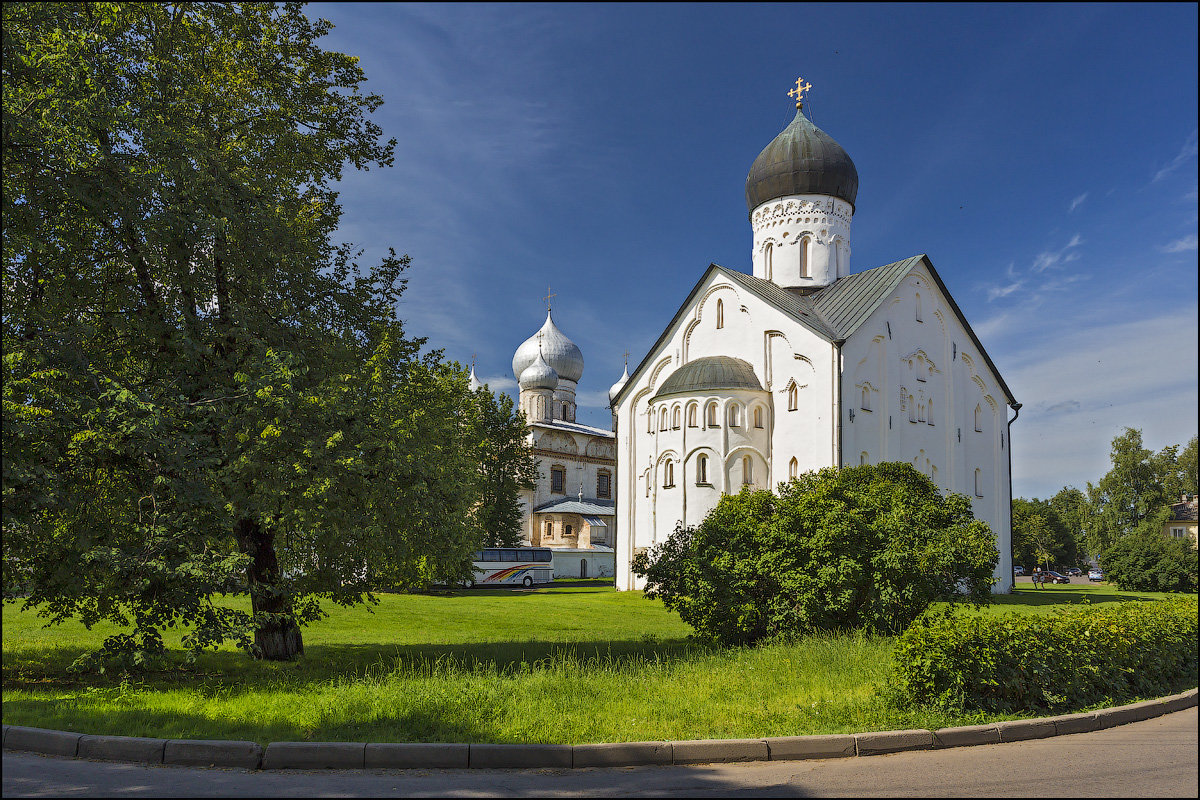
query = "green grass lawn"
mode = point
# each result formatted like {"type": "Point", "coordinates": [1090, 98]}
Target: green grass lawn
{"type": "Point", "coordinates": [564, 665]}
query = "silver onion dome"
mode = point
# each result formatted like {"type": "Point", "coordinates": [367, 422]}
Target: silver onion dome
{"type": "Point", "coordinates": [620, 384]}
{"type": "Point", "coordinates": [560, 353]}
{"type": "Point", "coordinates": [538, 375]}
{"type": "Point", "coordinates": [473, 383]}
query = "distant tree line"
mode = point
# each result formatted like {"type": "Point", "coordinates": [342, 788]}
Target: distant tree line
{"type": "Point", "coordinates": [1119, 520]}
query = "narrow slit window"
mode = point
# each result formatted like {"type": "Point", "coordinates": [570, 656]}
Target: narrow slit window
{"type": "Point", "coordinates": [793, 468]}
{"type": "Point", "coordinates": [702, 469]}
{"type": "Point", "coordinates": [711, 420]}
{"type": "Point", "coordinates": [691, 416]}
{"type": "Point", "coordinates": [793, 397]}
{"type": "Point", "coordinates": [720, 314]}
{"type": "Point", "coordinates": [675, 418]}
{"type": "Point", "coordinates": [758, 417]}
{"type": "Point", "coordinates": [747, 471]}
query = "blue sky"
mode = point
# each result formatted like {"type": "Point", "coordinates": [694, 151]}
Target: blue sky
{"type": "Point", "coordinates": [1044, 156]}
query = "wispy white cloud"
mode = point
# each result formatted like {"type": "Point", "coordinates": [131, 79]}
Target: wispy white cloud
{"type": "Point", "coordinates": [1048, 259]}
{"type": "Point", "coordinates": [1180, 245]}
{"type": "Point", "coordinates": [994, 292]}
{"type": "Point", "coordinates": [1078, 201]}
{"type": "Point", "coordinates": [1186, 153]}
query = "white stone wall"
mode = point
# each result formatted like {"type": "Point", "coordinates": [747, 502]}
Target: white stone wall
{"type": "Point", "coordinates": [809, 228]}
{"type": "Point", "coordinates": [783, 353]}
{"type": "Point", "coordinates": [583, 457]}
{"type": "Point", "coordinates": [924, 380]}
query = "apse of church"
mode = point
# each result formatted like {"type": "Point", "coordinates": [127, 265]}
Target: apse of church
{"type": "Point", "coordinates": [803, 364]}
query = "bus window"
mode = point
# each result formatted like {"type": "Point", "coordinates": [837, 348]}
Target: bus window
{"type": "Point", "coordinates": [508, 555]}
{"type": "Point", "coordinates": [543, 555]}
{"type": "Point", "coordinates": [477, 555]}
{"type": "Point", "coordinates": [490, 555]}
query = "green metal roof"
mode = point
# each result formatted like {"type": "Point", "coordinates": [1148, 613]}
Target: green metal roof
{"type": "Point", "coordinates": [847, 302]}
{"type": "Point", "coordinates": [713, 372]}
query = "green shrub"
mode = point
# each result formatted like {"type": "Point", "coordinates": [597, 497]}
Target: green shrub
{"type": "Point", "coordinates": [861, 547]}
{"type": "Point", "coordinates": [1015, 662]}
{"type": "Point", "coordinates": [1145, 560]}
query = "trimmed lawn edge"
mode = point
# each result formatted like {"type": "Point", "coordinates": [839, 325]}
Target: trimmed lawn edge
{"type": "Point", "coordinates": [362, 755]}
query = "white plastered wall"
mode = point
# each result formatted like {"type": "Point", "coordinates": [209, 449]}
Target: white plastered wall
{"type": "Point", "coordinates": [782, 352]}
{"type": "Point", "coordinates": [889, 355]}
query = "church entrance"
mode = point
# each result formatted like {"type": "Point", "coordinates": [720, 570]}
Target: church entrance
{"type": "Point", "coordinates": [583, 567]}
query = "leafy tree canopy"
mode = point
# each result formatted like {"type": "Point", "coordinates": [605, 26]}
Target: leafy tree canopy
{"type": "Point", "coordinates": [201, 390]}
{"type": "Point", "coordinates": [1146, 561]}
{"type": "Point", "coordinates": [860, 547]}
{"type": "Point", "coordinates": [1139, 484]}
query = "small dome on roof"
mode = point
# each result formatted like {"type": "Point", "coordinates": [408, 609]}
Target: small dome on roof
{"type": "Point", "coordinates": [802, 159]}
{"type": "Point", "coordinates": [620, 384]}
{"type": "Point", "coordinates": [538, 375]}
{"type": "Point", "coordinates": [714, 372]}
{"type": "Point", "coordinates": [560, 352]}
{"type": "Point", "coordinates": [473, 382]}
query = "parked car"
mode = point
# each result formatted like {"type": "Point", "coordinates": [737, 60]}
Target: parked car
{"type": "Point", "coordinates": [1018, 569]}
{"type": "Point", "coordinates": [1073, 572]}
{"type": "Point", "coordinates": [1050, 576]}
{"type": "Point", "coordinates": [1095, 575]}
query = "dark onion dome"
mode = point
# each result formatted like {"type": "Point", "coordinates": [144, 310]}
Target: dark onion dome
{"type": "Point", "coordinates": [714, 372]}
{"type": "Point", "coordinates": [802, 159]}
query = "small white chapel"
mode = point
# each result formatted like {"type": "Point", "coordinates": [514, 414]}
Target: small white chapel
{"type": "Point", "coordinates": [805, 364]}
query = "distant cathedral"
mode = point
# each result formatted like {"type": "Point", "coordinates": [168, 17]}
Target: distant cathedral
{"type": "Point", "coordinates": [803, 365]}
{"type": "Point", "coordinates": [571, 509]}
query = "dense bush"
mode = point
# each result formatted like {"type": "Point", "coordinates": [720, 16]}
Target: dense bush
{"type": "Point", "coordinates": [1147, 561]}
{"type": "Point", "coordinates": [862, 547]}
{"type": "Point", "coordinates": [1034, 662]}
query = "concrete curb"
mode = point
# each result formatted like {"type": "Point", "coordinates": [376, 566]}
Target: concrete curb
{"type": "Point", "coordinates": [871, 744]}
{"type": "Point", "coordinates": [719, 751]}
{"type": "Point", "coordinates": [795, 748]}
{"type": "Point", "coordinates": [213, 753]}
{"type": "Point", "coordinates": [122, 748]}
{"type": "Point", "coordinates": [521, 756]}
{"type": "Point", "coordinates": [430, 755]}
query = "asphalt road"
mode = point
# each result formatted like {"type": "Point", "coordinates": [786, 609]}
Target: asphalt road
{"type": "Point", "coordinates": [1155, 758]}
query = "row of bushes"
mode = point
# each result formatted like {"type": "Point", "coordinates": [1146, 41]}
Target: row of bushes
{"type": "Point", "coordinates": [1013, 662]}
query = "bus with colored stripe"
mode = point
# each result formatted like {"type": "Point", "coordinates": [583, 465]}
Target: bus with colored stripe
{"type": "Point", "coordinates": [509, 565]}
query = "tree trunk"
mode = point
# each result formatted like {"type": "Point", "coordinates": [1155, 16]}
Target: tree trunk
{"type": "Point", "coordinates": [277, 639]}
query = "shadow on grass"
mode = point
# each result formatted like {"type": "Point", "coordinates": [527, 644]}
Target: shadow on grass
{"type": "Point", "coordinates": [1060, 596]}
{"type": "Point", "coordinates": [422, 720]}
{"type": "Point", "coordinates": [235, 672]}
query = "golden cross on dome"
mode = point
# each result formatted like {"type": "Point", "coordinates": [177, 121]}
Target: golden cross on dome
{"type": "Point", "coordinates": [548, 297]}
{"type": "Point", "coordinates": [626, 358]}
{"type": "Point", "coordinates": [798, 92]}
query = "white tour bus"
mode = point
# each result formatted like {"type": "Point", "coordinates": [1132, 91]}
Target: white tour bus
{"type": "Point", "coordinates": [523, 565]}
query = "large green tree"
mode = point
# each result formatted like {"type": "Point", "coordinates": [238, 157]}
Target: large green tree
{"type": "Point", "coordinates": [1138, 485]}
{"type": "Point", "coordinates": [506, 467]}
{"type": "Point", "coordinates": [202, 391]}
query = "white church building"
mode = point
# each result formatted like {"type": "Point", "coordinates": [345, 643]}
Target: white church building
{"type": "Point", "coordinates": [571, 507]}
{"type": "Point", "coordinates": [804, 364]}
